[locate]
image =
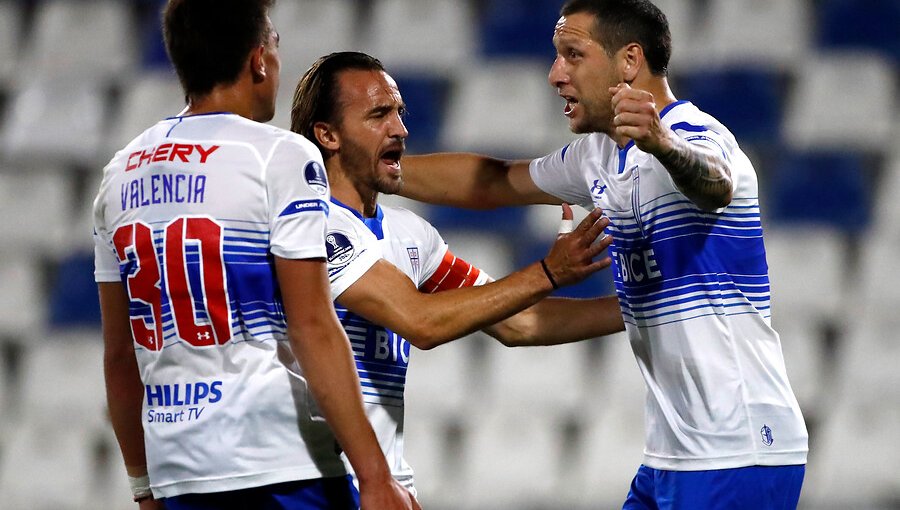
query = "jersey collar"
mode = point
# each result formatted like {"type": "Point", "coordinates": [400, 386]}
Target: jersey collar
{"type": "Point", "coordinates": [373, 224]}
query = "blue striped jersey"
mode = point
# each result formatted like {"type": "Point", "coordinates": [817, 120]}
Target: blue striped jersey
{"type": "Point", "coordinates": [354, 244]}
{"type": "Point", "coordinates": [694, 292]}
{"type": "Point", "coordinates": [189, 218]}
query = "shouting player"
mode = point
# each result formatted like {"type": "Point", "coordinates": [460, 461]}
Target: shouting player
{"type": "Point", "coordinates": [394, 279]}
{"type": "Point", "coordinates": [225, 363]}
{"type": "Point", "coordinates": [723, 428]}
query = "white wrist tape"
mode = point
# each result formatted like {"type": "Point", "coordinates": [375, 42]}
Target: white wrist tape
{"type": "Point", "coordinates": [566, 226]}
{"type": "Point", "coordinates": [140, 486]}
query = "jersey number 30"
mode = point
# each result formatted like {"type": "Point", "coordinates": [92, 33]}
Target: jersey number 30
{"type": "Point", "coordinates": [145, 282]}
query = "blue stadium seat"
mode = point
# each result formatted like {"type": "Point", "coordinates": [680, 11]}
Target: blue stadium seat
{"type": "Point", "coordinates": [518, 28]}
{"type": "Point", "coordinates": [821, 188]}
{"type": "Point", "coordinates": [73, 293]}
{"type": "Point", "coordinates": [747, 101]}
{"type": "Point", "coordinates": [424, 98]}
{"type": "Point", "coordinates": [505, 221]}
{"type": "Point", "coordinates": [867, 24]}
{"type": "Point", "coordinates": [152, 48]}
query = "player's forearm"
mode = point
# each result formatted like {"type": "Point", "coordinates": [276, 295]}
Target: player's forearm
{"type": "Point", "coordinates": [701, 174]}
{"type": "Point", "coordinates": [324, 354]}
{"type": "Point", "coordinates": [559, 320]}
{"type": "Point", "coordinates": [444, 316]}
{"type": "Point", "coordinates": [468, 180]}
{"type": "Point", "coordinates": [125, 398]}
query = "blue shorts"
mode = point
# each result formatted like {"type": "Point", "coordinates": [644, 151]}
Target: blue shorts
{"type": "Point", "coordinates": [749, 488]}
{"type": "Point", "coordinates": [320, 494]}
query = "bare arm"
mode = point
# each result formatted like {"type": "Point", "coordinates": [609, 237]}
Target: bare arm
{"type": "Point", "coordinates": [470, 180]}
{"type": "Point", "coordinates": [703, 175]}
{"type": "Point", "coordinates": [324, 353]}
{"type": "Point", "coordinates": [124, 389]}
{"type": "Point", "coordinates": [555, 321]}
{"type": "Point", "coordinates": [387, 297]}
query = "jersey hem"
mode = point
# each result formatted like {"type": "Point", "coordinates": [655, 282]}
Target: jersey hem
{"type": "Point", "coordinates": [789, 458]}
{"type": "Point", "coordinates": [233, 483]}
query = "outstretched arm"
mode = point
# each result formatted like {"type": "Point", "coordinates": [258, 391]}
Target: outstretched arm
{"type": "Point", "coordinates": [386, 296]}
{"type": "Point", "coordinates": [470, 180]}
{"type": "Point", "coordinates": [555, 321]}
{"type": "Point", "coordinates": [703, 175]}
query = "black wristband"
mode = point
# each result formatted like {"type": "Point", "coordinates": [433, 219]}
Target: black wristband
{"type": "Point", "coordinates": [549, 276]}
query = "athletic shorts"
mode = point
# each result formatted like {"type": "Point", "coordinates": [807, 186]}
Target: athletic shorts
{"type": "Point", "coordinates": [319, 494]}
{"type": "Point", "coordinates": [748, 488]}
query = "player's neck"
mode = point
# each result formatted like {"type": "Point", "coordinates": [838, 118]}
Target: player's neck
{"type": "Point", "coordinates": [222, 99]}
{"type": "Point", "coordinates": [355, 195]}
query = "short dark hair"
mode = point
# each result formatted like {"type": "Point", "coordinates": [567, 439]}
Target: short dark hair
{"type": "Point", "coordinates": [316, 96]}
{"type": "Point", "coordinates": [208, 40]}
{"type": "Point", "coordinates": [620, 22]}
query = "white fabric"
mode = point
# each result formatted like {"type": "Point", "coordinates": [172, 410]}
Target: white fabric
{"type": "Point", "coordinates": [382, 356]}
{"type": "Point", "coordinates": [694, 293]}
{"type": "Point", "coordinates": [237, 414]}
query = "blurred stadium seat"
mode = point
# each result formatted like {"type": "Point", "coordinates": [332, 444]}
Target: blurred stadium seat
{"type": "Point", "coordinates": [769, 33]}
{"type": "Point", "coordinates": [843, 101]}
{"type": "Point", "coordinates": [518, 29]}
{"type": "Point", "coordinates": [443, 34]}
{"type": "Point", "coordinates": [490, 100]}
{"type": "Point", "coordinates": [150, 98]}
{"type": "Point", "coordinates": [869, 25]}
{"type": "Point", "coordinates": [754, 118]}
{"type": "Point", "coordinates": [88, 39]}
{"type": "Point", "coordinates": [831, 189]}
{"type": "Point", "coordinates": [60, 122]}
{"type": "Point", "coordinates": [10, 23]}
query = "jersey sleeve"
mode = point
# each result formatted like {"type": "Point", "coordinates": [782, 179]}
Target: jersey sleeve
{"type": "Point", "coordinates": [560, 175]}
{"type": "Point", "coordinates": [350, 255]}
{"type": "Point", "coordinates": [442, 270]}
{"type": "Point", "coordinates": [106, 263]}
{"type": "Point", "coordinates": [298, 193]}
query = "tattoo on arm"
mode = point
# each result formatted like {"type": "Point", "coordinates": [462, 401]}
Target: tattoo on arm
{"type": "Point", "coordinates": [703, 176]}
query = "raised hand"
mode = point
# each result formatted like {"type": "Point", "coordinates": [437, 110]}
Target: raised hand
{"type": "Point", "coordinates": [571, 258]}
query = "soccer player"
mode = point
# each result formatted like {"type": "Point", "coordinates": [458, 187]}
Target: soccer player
{"type": "Point", "coordinates": [723, 428]}
{"type": "Point", "coordinates": [225, 363]}
{"type": "Point", "coordinates": [394, 279]}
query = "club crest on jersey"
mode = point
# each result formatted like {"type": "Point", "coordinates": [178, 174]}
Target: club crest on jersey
{"type": "Point", "coordinates": [766, 434]}
{"type": "Point", "coordinates": [339, 249]}
{"type": "Point", "coordinates": [316, 177]}
{"type": "Point", "coordinates": [413, 253]}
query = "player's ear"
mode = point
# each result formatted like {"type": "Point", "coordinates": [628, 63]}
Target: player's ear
{"type": "Point", "coordinates": [258, 64]}
{"type": "Point", "coordinates": [326, 136]}
{"type": "Point", "coordinates": [630, 61]}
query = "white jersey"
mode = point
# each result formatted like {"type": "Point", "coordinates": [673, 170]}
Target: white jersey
{"type": "Point", "coordinates": [188, 218]}
{"type": "Point", "coordinates": [694, 292]}
{"type": "Point", "coordinates": [415, 247]}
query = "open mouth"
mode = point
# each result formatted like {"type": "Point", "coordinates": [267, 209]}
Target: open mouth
{"type": "Point", "coordinates": [571, 102]}
{"type": "Point", "coordinates": [391, 157]}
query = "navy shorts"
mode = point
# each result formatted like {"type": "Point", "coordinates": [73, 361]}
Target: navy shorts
{"type": "Point", "coordinates": [748, 488]}
{"type": "Point", "coordinates": [320, 494]}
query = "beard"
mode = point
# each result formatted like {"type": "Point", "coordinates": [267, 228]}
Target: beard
{"type": "Point", "coordinates": [365, 168]}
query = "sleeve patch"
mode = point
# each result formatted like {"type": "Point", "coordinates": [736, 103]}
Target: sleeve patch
{"type": "Point", "coordinates": [316, 177]}
{"type": "Point", "coordinates": [338, 248]}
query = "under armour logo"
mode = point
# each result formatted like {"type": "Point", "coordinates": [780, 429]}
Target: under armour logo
{"type": "Point", "coordinates": [203, 336]}
{"type": "Point", "coordinates": [597, 188]}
